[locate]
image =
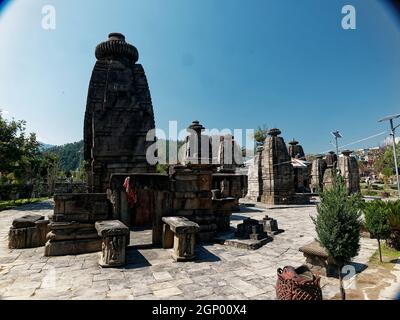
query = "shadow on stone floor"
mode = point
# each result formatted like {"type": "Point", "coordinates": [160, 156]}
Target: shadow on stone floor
{"type": "Point", "coordinates": [236, 217]}
{"type": "Point", "coordinates": [360, 267]}
{"type": "Point", "coordinates": [204, 255]}
{"type": "Point", "coordinates": [36, 207]}
{"type": "Point", "coordinates": [244, 209]}
{"type": "Point", "coordinates": [134, 259]}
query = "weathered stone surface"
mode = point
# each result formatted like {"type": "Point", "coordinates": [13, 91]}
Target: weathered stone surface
{"type": "Point", "coordinates": [254, 177]}
{"type": "Point", "coordinates": [296, 150]}
{"type": "Point", "coordinates": [111, 228]}
{"type": "Point", "coordinates": [61, 231]}
{"type": "Point", "coordinates": [114, 236]}
{"type": "Point", "coordinates": [119, 113]}
{"type": "Point", "coordinates": [231, 185]}
{"type": "Point", "coordinates": [348, 168]}
{"type": "Point", "coordinates": [223, 211]}
{"type": "Point", "coordinates": [183, 232]}
{"type": "Point", "coordinates": [75, 247]}
{"type": "Point", "coordinates": [318, 260]}
{"type": "Point", "coordinates": [28, 232]}
{"type": "Point", "coordinates": [277, 171]}
{"type": "Point", "coordinates": [251, 229]}
{"type": "Point", "coordinates": [331, 159]}
{"type": "Point", "coordinates": [317, 174]}
{"type": "Point", "coordinates": [270, 225]}
{"type": "Point", "coordinates": [27, 221]}
{"type": "Point", "coordinates": [81, 207]}
{"type": "Point", "coordinates": [70, 187]}
{"type": "Point", "coordinates": [329, 176]}
{"type": "Point", "coordinates": [229, 154]}
{"type": "Point", "coordinates": [181, 225]}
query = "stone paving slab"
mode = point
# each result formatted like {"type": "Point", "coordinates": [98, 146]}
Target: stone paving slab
{"type": "Point", "coordinates": [220, 272]}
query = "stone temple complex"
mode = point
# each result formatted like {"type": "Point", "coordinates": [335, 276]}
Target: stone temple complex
{"type": "Point", "coordinates": [192, 203]}
{"type": "Point", "coordinates": [278, 174]}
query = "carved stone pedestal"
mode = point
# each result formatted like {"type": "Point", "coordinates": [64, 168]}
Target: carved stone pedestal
{"type": "Point", "coordinates": [180, 234]}
{"type": "Point", "coordinates": [114, 234]}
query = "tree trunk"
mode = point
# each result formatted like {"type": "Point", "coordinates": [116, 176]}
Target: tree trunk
{"type": "Point", "coordinates": [342, 292]}
{"type": "Point", "coordinates": [380, 251]}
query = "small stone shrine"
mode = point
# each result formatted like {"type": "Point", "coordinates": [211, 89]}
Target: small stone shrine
{"type": "Point", "coordinates": [277, 171]}
{"type": "Point", "coordinates": [348, 167]}
{"type": "Point", "coordinates": [317, 174]}
{"type": "Point", "coordinates": [251, 229]}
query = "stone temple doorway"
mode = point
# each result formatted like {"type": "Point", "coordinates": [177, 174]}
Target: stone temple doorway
{"type": "Point", "coordinates": [141, 218]}
{"type": "Point", "coordinates": [140, 201]}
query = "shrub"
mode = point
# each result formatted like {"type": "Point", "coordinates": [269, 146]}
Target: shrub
{"type": "Point", "coordinates": [376, 221]}
{"type": "Point", "coordinates": [338, 224]}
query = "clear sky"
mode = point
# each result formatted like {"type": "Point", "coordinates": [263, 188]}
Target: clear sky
{"type": "Point", "coordinates": [228, 63]}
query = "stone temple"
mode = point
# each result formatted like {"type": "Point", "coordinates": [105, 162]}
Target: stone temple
{"type": "Point", "coordinates": [119, 113]}
{"type": "Point", "coordinates": [193, 202]}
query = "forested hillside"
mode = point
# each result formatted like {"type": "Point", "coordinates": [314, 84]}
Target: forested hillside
{"type": "Point", "coordinates": [70, 155]}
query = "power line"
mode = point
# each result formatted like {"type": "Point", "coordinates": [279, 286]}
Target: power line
{"type": "Point", "coordinates": [361, 140]}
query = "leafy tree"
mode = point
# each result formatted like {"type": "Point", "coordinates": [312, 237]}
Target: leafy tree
{"type": "Point", "coordinates": [338, 225]}
{"type": "Point", "coordinates": [19, 153]}
{"type": "Point", "coordinates": [384, 163]}
{"type": "Point", "coordinates": [376, 221]}
{"type": "Point", "coordinates": [260, 134]}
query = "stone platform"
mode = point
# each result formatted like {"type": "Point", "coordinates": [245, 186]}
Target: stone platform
{"type": "Point", "coordinates": [220, 272]}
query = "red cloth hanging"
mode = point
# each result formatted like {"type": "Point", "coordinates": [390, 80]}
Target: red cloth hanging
{"type": "Point", "coordinates": [130, 192]}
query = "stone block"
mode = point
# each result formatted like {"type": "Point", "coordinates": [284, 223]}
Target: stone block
{"type": "Point", "coordinates": [75, 247]}
{"type": "Point", "coordinates": [184, 237]}
{"type": "Point", "coordinates": [28, 232]}
{"type": "Point", "coordinates": [81, 207]}
{"type": "Point", "coordinates": [27, 221]}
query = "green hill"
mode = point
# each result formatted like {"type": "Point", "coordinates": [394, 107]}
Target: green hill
{"type": "Point", "coordinates": [70, 155]}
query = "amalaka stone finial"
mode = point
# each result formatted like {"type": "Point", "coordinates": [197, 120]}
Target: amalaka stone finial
{"type": "Point", "coordinates": [196, 126]}
{"type": "Point", "coordinates": [116, 48]}
{"type": "Point", "coordinates": [293, 142]}
{"type": "Point", "coordinates": [274, 132]}
{"type": "Point", "coordinates": [347, 153]}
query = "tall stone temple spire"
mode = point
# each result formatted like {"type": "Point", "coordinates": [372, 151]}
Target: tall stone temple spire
{"type": "Point", "coordinates": [119, 113]}
{"type": "Point", "coordinates": [277, 171]}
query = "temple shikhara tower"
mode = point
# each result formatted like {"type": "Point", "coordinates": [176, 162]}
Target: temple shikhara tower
{"type": "Point", "coordinates": [277, 171]}
{"type": "Point", "coordinates": [119, 113]}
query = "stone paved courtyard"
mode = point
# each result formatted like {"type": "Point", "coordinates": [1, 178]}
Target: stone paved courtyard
{"type": "Point", "coordinates": [220, 272]}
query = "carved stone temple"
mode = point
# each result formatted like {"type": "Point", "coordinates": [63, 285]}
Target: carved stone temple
{"type": "Point", "coordinates": [119, 113]}
{"type": "Point", "coordinates": [317, 174]}
{"type": "Point", "coordinates": [348, 167]}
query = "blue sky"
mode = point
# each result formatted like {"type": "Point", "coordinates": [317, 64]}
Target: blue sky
{"type": "Point", "coordinates": [228, 63]}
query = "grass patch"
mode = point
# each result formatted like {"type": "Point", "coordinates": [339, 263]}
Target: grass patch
{"type": "Point", "coordinates": [389, 257]}
{"type": "Point", "coordinates": [10, 204]}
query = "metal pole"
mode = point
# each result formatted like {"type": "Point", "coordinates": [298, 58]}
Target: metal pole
{"type": "Point", "coordinates": [395, 156]}
{"type": "Point", "coordinates": [337, 147]}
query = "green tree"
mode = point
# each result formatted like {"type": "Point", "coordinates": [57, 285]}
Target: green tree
{"type": "Point", "coordinates": [376, 221]}
{"type": "Point", "coordinates": [260, 134]}
{"type": "Point", "coordinates": [19, 152]}
{"type": "Point", "coordinates": [338, 225]}
{"type": "Point", "coordinates": [384, 163]}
